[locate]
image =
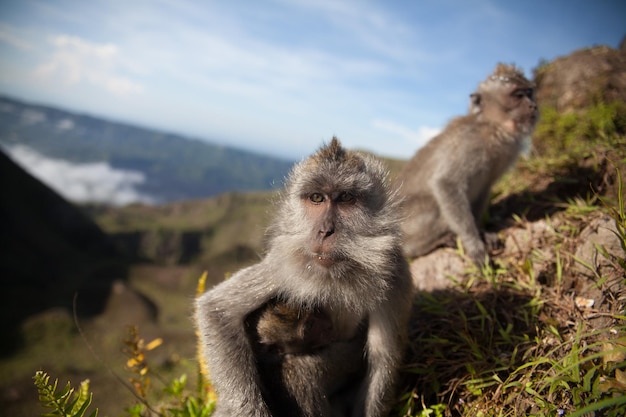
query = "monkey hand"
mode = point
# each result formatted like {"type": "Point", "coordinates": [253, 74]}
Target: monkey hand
{"type": "Point", "coordinates": [477, 252]}
{"type": "Point", "coordinates": [493, 242]}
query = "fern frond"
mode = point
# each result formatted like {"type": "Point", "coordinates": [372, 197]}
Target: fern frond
{"type": "Point", "coordinates": [66, 403]}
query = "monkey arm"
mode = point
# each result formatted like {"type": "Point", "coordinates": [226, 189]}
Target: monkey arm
{"type": "Point", "coordinates": [220, 317]}
{"type": "Point", "coordinates": [480, 204]}
{"type": "Point", "coordinates": [386, 342]}
{"type": "Point", "coordinates": [455, 207]}
{"type": "Point", "coordinates": [384, 357]}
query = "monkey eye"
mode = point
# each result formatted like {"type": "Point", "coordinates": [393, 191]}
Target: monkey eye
{"type": "Point", "coordinates": [316, 198]}
{"type": "Point", "coordinates": [523, 92]}
{"type": "Point", "coordinates": [345, 197]}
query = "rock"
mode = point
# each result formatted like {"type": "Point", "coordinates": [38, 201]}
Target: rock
{"type": "Point", "coordinates": [436, 270]}
{"type": "Point", "coordinates": [519, 242]}
{"type": "Point", "coordinates": [572, 82]}
{"type": "Point", "coordinates": [600, 232]}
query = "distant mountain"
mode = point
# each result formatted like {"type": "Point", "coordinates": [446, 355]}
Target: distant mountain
{"type": "Point", "coordinates": [174, 167]}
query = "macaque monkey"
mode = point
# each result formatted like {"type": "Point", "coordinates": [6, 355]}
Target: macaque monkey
{"type": "Point", "coordinates": [446, 184]}
{"type": "Point", "coordinates": [285, 330]}
{"type": "Point", "coordinates": [297, 379]}
{"type": "Point", "coordinates": [334, 247]}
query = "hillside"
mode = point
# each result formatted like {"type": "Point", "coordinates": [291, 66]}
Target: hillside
{"type": "Point", "coordinates": [539, 332]}
{"type": "Point", "coordinates": [50, 250]}
{"type": "Point", "coordinates": [174, 167]}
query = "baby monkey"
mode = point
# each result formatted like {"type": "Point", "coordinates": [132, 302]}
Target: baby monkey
{"type": "Point", "coordinates": [283, 329]}
{"type": "Point", "coordinates": [446, 185]}
{"type": "Point", "coordinates": [293, 347]}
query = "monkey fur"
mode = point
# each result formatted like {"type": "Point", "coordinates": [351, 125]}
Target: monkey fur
{"type": "Point", "coordinates": [295, 384]}
{"type": "Point", "coordinates": [285, 330]}
{"type": "Point", "coordinates": [446, 185]}
{"type": "Point", "coordinates": [334, 245]}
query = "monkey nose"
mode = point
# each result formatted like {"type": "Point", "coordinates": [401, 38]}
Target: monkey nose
{"type": "Point", "coordinates": [326, 230]}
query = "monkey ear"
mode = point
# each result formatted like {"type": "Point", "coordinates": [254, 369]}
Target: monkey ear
{"type": "Point", "coordinates": [475, 103]}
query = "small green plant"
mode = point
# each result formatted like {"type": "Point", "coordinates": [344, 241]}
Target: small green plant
{"type": "Point", "coordinates": [618, 212]}
{"type": "Point", "coordinates": [436, 410]}
{"type": "Point", "coordinates": [185, 405]}
{"type": "Point", "coordinates": [68, 402]}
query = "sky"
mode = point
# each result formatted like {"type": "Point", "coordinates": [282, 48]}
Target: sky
{"type": "Point", "coordinates": [281, 77]}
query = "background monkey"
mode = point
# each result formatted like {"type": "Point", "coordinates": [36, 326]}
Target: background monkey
{"type": "Point", "coordinates": [446, 184]}
{"type": "Point", "coordinates": [334, 245]}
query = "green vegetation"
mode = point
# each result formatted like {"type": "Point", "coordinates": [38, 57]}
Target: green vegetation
{"type": "Point", "coordinates": [174, 399]}
{"type": "Point", "coordinates": [576, 133]}
{"type": "Point", "coordinates": [219, 234]}
{"type": "Point", "coordinates": [66, 403]}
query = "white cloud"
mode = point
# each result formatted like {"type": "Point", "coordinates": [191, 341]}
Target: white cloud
{"type": "Point", "coordinates": [95, 182]}
{"type": "Point", "coordinates": [8, 36]}
{"type": "Point", "coordinates": [416, 138]}
{"type": "Point", "coordinates": [77, 61]}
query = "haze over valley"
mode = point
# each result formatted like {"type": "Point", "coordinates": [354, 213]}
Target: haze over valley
{"type": "Point", "coordinates": [92, 160]}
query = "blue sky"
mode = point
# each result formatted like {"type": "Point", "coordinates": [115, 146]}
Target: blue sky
{"type": "Point", "coordinates": [282, 76]}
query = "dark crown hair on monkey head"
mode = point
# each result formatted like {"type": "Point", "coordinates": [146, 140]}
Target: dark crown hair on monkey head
{"type": "Point", "coordinates": [506, 74]}
{"type": "Point", "coordinates": [332, 152]}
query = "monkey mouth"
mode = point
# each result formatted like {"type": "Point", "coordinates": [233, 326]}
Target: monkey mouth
{"type": "Point", "coordinates": [325, 259]}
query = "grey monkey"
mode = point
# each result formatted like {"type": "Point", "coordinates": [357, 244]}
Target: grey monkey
{"type": "Point", "coordinates": [335, 244]}
{"type": "Point", "coordinates": [446, 185]}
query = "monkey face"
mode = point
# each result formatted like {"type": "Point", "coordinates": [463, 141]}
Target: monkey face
{"type": "Point", "coordinates": [522, 108]}
{"type": "Point", "coordinates": [327, 211]}
{"type": "Point", "coordinates": [511, 106]}
{"type": "Point", "coordinates": [507, 99]}
{"type": "Point", "coordinates": [338, 218]}
{"type": "Point", "coordinates": [339, 199]}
